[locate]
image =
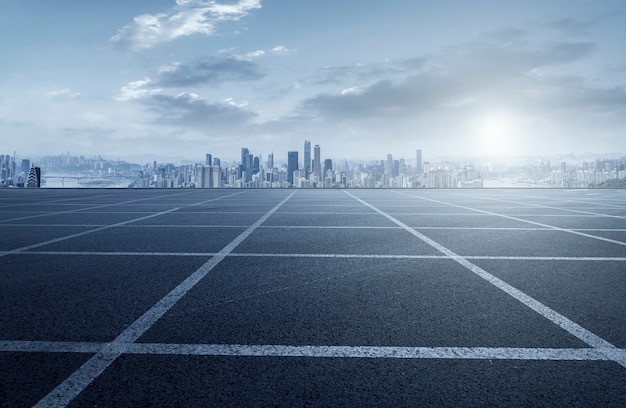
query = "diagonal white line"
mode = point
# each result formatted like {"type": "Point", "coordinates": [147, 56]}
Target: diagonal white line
{"type": "Point", "coordinates": [65, 392]}
{"type": "Point", "coordinates": [552, 227]}
{"type": "Point", "coordinates": [87, 208]}
{"type": "Point", "coordinates": [571, 327]}
{"type": "Point", "coordinates": [80, 234]}
{"type": "Point", "coordinates": [544, 206]}
{"type": "Point", "coordinates": [59, 200]}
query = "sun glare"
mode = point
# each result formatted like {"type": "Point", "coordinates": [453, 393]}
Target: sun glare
{"type": "Point", "coordinates": [496, 135]}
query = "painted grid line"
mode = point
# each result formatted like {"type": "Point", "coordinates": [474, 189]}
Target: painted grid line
{"type": "Point", "coordinates": [570, 326]}
{"type": "Point", "coordinates": [277, 350]}
{"type": "Point", "coordinates": [65, 392]}
{"type": "Point", "coordinates": [349, 256]}
{"type": "Point", "coordinates": [613, 241]}
{"type": "Point", "coordinates": [87, 208]}
{"type": "Point", "coordinates": [547, 206]}
{"type": "Point", "coordinates": [316, 227]}
{"type": "Point", "coordinates": [80, 234]}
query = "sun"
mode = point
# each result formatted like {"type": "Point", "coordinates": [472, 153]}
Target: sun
{"type": "Point", "coordinates": [496, 134]}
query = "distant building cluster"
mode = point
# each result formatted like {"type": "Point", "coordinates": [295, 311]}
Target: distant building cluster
{"type": "Point", "coordinates": [23, 176]}
{"type": "Point", "coordinates": [309, 170]}
{"type": "Point", "coordinates": [583, 174]}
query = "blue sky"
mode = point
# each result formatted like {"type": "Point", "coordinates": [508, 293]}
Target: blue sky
{"type": "Point", "coordinates": [178, 79]}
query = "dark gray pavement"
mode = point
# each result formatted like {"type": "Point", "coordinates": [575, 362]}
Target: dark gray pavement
{"type": "Point", "coordinates": [452, 298]}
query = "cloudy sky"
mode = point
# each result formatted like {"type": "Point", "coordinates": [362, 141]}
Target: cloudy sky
{"type": "Point", "coordinates": [180, 78]}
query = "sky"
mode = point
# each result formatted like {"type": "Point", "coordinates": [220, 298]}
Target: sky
{"type": "Point", "coordinates": [176, 79]}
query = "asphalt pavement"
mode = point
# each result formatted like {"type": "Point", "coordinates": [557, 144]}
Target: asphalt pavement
{"type": "Point", "coordinates": [227, 297]}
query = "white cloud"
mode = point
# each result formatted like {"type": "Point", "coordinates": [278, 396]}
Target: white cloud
{"type": "Point", "coordinates": [254, 54]}
{"type": "Point", "coordinates": [280, 49]}
{"type": "Point", "coordinates": [63, 93]}
{"type": "Point", "coordinates": [188, 17]}
{"type": "Point", "coordinates": [351, 90]}
{"type": "Point", "coordinates": [136, 89]}
{"type": "Point", "coordinates": [232, 102]}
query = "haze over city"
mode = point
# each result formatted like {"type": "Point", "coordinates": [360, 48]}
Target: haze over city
{"type": "Point", "coordinates": [175, 79]}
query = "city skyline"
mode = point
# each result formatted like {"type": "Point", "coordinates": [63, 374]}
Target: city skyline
{"type": "Point", "coordinates": [161, 79]}
{"type": "Point", "coordinates": [252, 172]}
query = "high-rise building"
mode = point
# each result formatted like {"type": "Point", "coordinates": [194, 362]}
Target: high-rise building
{"type": "Point", "coordinates": [270, 161]}
{"type": "Point", "coordinates": [328, 165]}
{"type": "Point", "coordinates": [388, 166]}
{"type": "Point", "coordinates": [249, 167]}
{"type": "Point", "coordinates": [34, 177]}
{"type": "Point", "coordinates": [317, 169]}
{"type": "Point", "coordinates": [245, 152]}
{"type": "Point", "coordinates": [209, 160]}
{"type": "Point", "coordinates": [25, 167]}
{"type": "Point", "coordinates": [418, 164]}
{"type": "Point", "coordinates": [307, 156]}
{"type": "Point", "coordinates": [204, 177]}
{"type": "Point", "coordinates": [216, 177]}
{"type": "Point", "coordinates": [292, 165]}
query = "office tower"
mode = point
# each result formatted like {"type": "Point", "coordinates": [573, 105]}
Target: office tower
{"type": "Point", "coordinates": [418, 164]}
{"type": "Point", "coordinates": [204, 177]}
{"type": "Point", "coordinates": [25, 167]}
{"type": "Point", "coordinates": [209, 160]}
{"type": "Point", "coordinates": [244, 153]}
{"type": "Point", "coordinates": [217, 162]}
{"type": "Point", "coordinates": [388, 165]}
{"type": "Point", "coordinates": [256, 165]}
{"type": "Point", "coordinates": [328, 165]}
{"type": "Point", "coordinates": [244, 156]}
{"type": "Point", "coordinates": [270, 161]}
{"type": "Point", "coordinates": [292, 165]}
{"type": "Point", "coordinates": [317, 164]}
{"type": "Point", "coordinates": [34, 177]}
{"type": "Point", "coordinates": [216, 175]}
{"type": "Point", "coordinates": [307, 156]}
{"type": "Point", "coordinates": [249, 169]}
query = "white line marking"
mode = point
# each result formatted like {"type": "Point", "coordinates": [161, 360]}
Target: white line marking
{"type": "Point", "coordinates": [480, 353]}
{"type": "Point", "coordinates": [351, 256]}
{"type": "Point", "coordinates": [315, 227]}
{"type": "Point", "coordinates": [65, 392]}
{"type": "Point", "coordinates": [57, 201]}
{"type": "Point", "coordinates": [613, 241]}
{"type": "Point", "coordinates": [571, 327]}
{"type": "Point", "coordinates": [265, 350]}
{"type": "Point", "coordinates": [604, 203]}
{"type": "Point", "coordinates": [88, 208]}
{"type": "Point", "coordinates": [80, 234]}
{"type": "Point", "coordinates": [545, 206]}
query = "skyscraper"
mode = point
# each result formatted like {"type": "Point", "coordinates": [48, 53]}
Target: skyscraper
{"type": "Point", "coordinates": [328, 165]}
{"type": "Point", "coordinates": [204, 176]}
{"type": "Point", "coordinates": [418, 164]}
{"type": "Point", "coordinates": [307, 156]}
{"type": "Point", "coordinates": [317, 170]}
{"type": "Point", "coordinates": [244, 156]}
{"type": "Point", "coordinates": [292, 165]}
{"type": "Point", "coordinates": [389, 165]}
{"type": "Point", "coordinates": [209, 160]}
{"type": "Point", "coordinates": [34, 177]}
